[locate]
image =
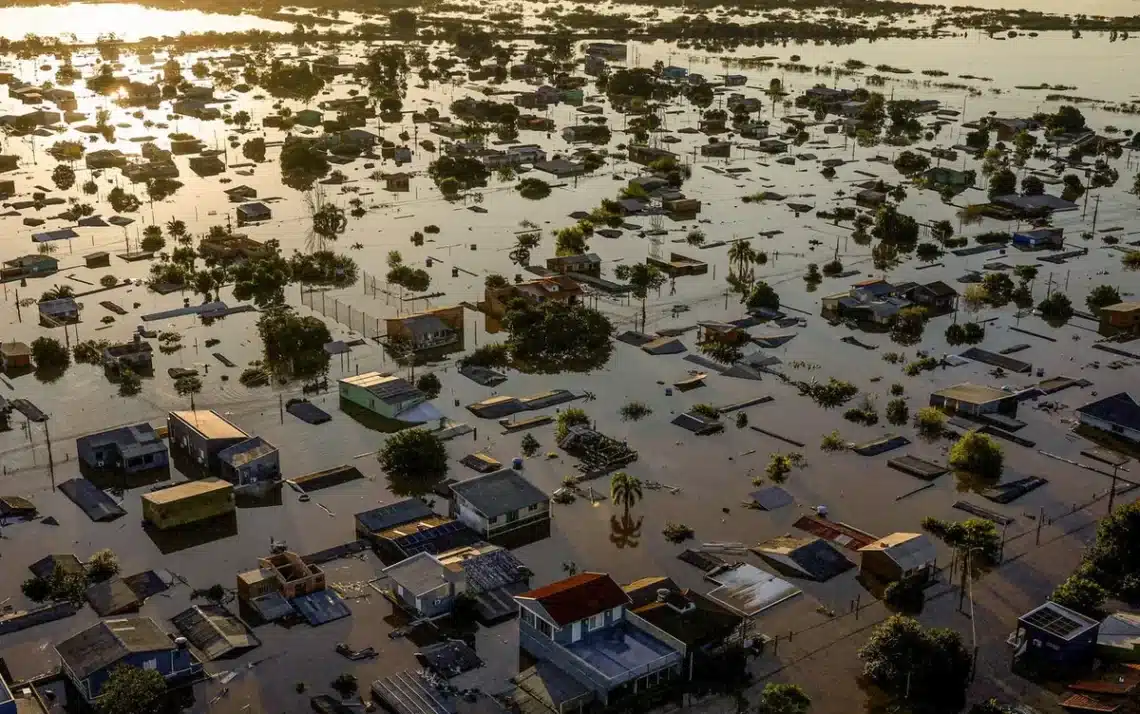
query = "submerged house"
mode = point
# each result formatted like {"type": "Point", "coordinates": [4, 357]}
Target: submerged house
{"type": "Point", "coordinates": [582, 628]}
{"type": "Point", "coordinates": [503, 507]}
{"type": "Point", "coordinates": [202, 435]}
{"type": "Point", "coordinates": [426, 585]}
{"type": "Point", "coordinates": [1054, 635]}
{"type": "Point", "coordinates": [975, 400]}
{"type": "Point", "coordinates": [136, 354]}
{"type": "Point", "coordinates": [899, 556]}
{"type": "Point", "coordinates": [1121, 317]}
{"type": "Point", "coordinates": [1117, 415]}
{"type": "Point", "coordinates": [88, 658]}
{"type": "Point", "coordinates": [386, 395]}
{"type": "Point", "coordinates": [429, 329]}
{"type": "Point", "coordinates": [873, 301]}
{"type": "Point", "coordinates": [129, 448]}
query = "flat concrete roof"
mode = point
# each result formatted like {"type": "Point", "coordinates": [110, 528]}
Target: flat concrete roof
{"type": "Point", "coordinates": [973, 393]}
{"type": "Point", "coordinates": [210, 424]}
{"type": "Point", "coordinates": [186, 490]}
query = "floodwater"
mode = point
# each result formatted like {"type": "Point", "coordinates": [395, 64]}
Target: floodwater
{"type": "Point", "coordinates": [714, 474]}
{"type": "Point", "coordinates": [86, 22]}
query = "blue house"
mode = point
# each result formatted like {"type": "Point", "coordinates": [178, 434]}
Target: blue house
{"type": "Point", "coordinates": [89, 658]}
{"type": "Point", "coordinates": [129, 448]}
{"type": "Point", "coordinates": [1040, 238]}
{"type": "Point", "coordinates": [581, 626]}
{"type": "Point", "coordinates": [1056, 636]}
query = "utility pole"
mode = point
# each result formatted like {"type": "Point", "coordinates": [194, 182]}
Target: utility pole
{"type": "Point", "coordinates": [1096, 210]}
{"type": "Point", "coordinates": [51, 461]}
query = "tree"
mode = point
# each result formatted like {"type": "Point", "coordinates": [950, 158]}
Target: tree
{"type": "Point", "coordinates": [977, 536]}
{"type": "Point", "coordinates": [177, 230]}
{"type": "Point", "coordinates": [1082, 594]}
{"type": "Point", "coordinates": [930, 422]}
{"type": "Point", "coordinates": [625, 490]}
{"type": "Point", "coordinates": [978, 454]}
{"type": "Point", "coordinates": [930, 668]}
{"type": "Point", "coordinates": [49, 354]}
{"type": "Point", "coordinates": [103, 565]}
{"type": "Point", "coordinates": [570, 240]}
{"type": "Point", "coordinates": [533, 188]}
{"type": "Point", "coordinates": [763, 296]}
{"type": "Point", "coordinates": [529, 445]}
{"type": "Point", "coordinates": [723, 352]}
{"type": "Point", "coordinates": [302, 164]}
{"type": "Point", "coordinates": [414, 454]}
{"type": "Point", "coordinates": [1057, 306]}
{"type": "Point", "coordinates": [241, 119]}
{"type": "Point", "coordinates": [642, 277]}
{"type": "Point", "coordinates": [555, 336]}
{"type": "Point", "coordinates": [131, 690]}
{"type": "Point", "coordinates": [429, 384]}
{"type": "Point", "coordinates": [294, 345]}
{"type": "Point", "coordinates": [928, 252]}
{"type": "Point", "coordinates": [1002, 183]}
{"type": "Point", "coordinates": [329, 222]}
{"type": "Point", "coordinates": [909, 163]}
{"type": "Point", "coordinates": [568, 418]}
{"type": "Point", "coordinates": [782, 699]}
{"type": "Point", "coordinates": [187, 385]}
{"type": "Point", "coordinates": [494, 281]}
{"type": "Point", "coordinates": [1032, 186]}
{"type": "Point", "coordinates": [1131, 260]}
{"type": "Point", "coordinates": [254, 149]}
{"type": "Point", "coordinates": [63, 176]}
{"type": "Point", "coordinates": [345, 685]}
{"type": "Point", "coordinates": [152, 240]}
{"type": "Point", "coordinates": [908, 325]}
{"type": "Point", "coordinates": [123, 202]}
{"type": "Point", "coordinates": [1066, 119]}
{"type": "Point", "coordinates": [893, 227]}
{"type": "Point", "coordinates": [897, 412]}
{"type": "Point", "coordinates": [1114, 561]}
{"type": "Point", "coordinates": [941, 231]}
{"type": "Point", "coordinates": [1102, 296]}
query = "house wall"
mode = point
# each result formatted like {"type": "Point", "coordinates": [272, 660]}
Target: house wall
{"type": "Point", "coordinates": [1117, 431]}
{"type": "Point", "coordinates": [878, 564]}
{"type": "Point", "coordinates": [157, 460]}
{"type": "Point", "coordinates": [191, 509]}
{"type": "Point", "coordinates": [170, 664]}
{"type": "Point", "coordinates": [1042, 645]}
{"type": "Point", "coordinates": [202, 450]}
{"type": "Point", "coordinates": [263, 469]}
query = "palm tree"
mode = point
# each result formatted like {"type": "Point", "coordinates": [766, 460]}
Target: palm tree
{"type": "Point", "coordinates": [642, 278]}
{"type": "Point", "coordinates": [625, 490]}
{"type": "Point", "coordinates": [57, 292]}
{"type": "Point", "coordinates": [741, 255]}
{"type": "Point", "coordinates": [177, 230]}
{"type": "Point", "coordinates": [329, 221]}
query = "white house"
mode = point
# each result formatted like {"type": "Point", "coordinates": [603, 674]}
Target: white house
{"type": "Point", "coordinates": [1118, 415]}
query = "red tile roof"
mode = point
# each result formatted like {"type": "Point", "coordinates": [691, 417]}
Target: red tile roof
{"type": "Point", "coordinates": [578, 597]}
{"type": "Point", "coordinates": [1122, 681]}
{"type": "Point", "coordinates": [1083, 703]}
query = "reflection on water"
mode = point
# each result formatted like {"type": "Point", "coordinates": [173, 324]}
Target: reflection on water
{"type": "Point", "coordinates": [625, 532]}
{"type": "Point", "coordinates": [129, 22]}
{"type": "Point", "coordinates": [195, 534]}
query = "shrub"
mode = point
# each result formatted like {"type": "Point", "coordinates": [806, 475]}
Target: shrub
{"type": "Point", "coordinates": [897, 412]}
{"type": "Point", "coordinates": [568, 418]}
{"type": "Point", "coordinates": [978, 454]}
{"type": "Point", "coordinates": [833, 442]}
{"type": "Point", "coordinates": [677, 532]}
{"type": "Point", "coordinates": [635, 411]}
{"type": "Point", "coordinates": [930, 422]}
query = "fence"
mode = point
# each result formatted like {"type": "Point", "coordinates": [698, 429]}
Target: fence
{"type": "Point", "coordinates": [345, 314]}
{"type": "Point", "coordinates": [394, 296]}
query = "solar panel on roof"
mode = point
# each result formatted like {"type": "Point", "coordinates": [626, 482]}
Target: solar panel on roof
{"type": "Point", "coordinates": [1053, 622]}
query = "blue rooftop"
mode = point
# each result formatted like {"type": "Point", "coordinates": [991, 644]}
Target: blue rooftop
{"type": "Point", "coordinates": [623, 652]}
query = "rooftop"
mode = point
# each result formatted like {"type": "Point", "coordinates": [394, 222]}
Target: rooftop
{"type": "Point", "coordinates": [1122, 307]}
{"type": "Point", "coordinates": [973, 393]}
{"type": "Point", "coordinates": [209, 424]}
{"type": "Point", "coordinates": [909, 550]}
{"type": "Point", "coordinates": [1120, 409]}
{"type": "Point", "coordinates": [422, 573]}
{"type": "Point", "coordinates": [387, 387]}
{"type": "Point", "coordinates": [246, 451]}
{"type": "Point", "coordinates": [394, 514]}
{"type": "Point", "coordinates": [500, 492]}
{"type": "Point", "coordinates": [748, 590]}
{"type": "Point", "coordinates": [622, 652]}
{"type": "Point", "coordinates": [213, 630]}
{"type": "Point", "coordinates": [1058, 620]}
{"type": "Point", "coordinates": [107, 642]}
{"type": "Point", "coordinates": [187, 490]}
{"type": "Point", "coordinates": [578, 597]}
{"type": "Point", "coordinates": [690, 617]}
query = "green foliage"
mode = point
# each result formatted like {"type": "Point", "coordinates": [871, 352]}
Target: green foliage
{"type": "Point", "coordinates": [930, 422]}
{"type": "Point", "coordinates": [254, 149]}
{"type": "Point", "coordinates": [1002, 183]}
{"type": "Point", "coordinates": [557, 337]}
{"type": "Point", "coordinates": [909, 163]}
{"type": "Point", "coordinates": [494, 281]}
{"type": "Point", "coordinates": [1131, 260]}
{"type": "Point", "coordinates": [894, 227]}
{"type": "Point", "coordinates": [36, 589]}
{"type": "Point", "coordinates": [131, 690]}
{"type": "Point", "coordinates": [103, 565]}
{"type": "Point", "coordinates": [570, 240]}
{"type": "Point", "coordinates": [905, 596]}
{"type": "Point", "coordinates": [1066, 119]}
{"type": "Point", "coordinates": [529, 445]}
{"type": "Point", "coordinates": [414, 454]}
{"type": "Point", "coordinates": [567, 418]}
{"type": "Point", "coordinates": [634, 411]}
{"type": "Point", "coordinates": [429, 384]}
{"type": "Point", "coordinates": [763, 296]}
{"type": "Point", "coordinates": [834, 393]}
{"type": "Point", "coordinates": [625, 490]}
{"type": "Point", "coordinates": [979, 536]}
{"type": "Point", "coordinates": [908, 325]}
{"type": "Point", "coordinates": [1082, 594]}
{"type": "Point", "coordinates": [302, 163]}
{"type": "Point", "coordinates": [1057, 306]}
{"type": "Point", "coordinates": [496, 355]}
{"type": "Point", "coordinates": [782, 699]}
{"type": "Point", "coordinates": [897, 412]}
{"type": "Point", "coordinates": [706, 410]}
{"type": "Point", "coordinates": [345, 685]}
{"type": "Point", "coordinates": [185, 386]}
{"type": "Point", "coordinates": [931, 666]}
{"type": "Point", "coordinates": [1102, 296]}
{"type": "Point", "coordinates": [677, 532]}
{"type": "Point", "coordinates": [49, 353]}
{"type": "Point", "coordinates": [723, 352]}
{"type": "Point", "coordinates": [284, 81]}
{"type": "Point", "coordinates": [833, 442]}
{"type": "Point", "coordinates": [977, 454]}
{"type": "Point", "coordinates": [63, 176]}
{"type": "Point", "coordinates": [294, 345]}
{"type": "Point", "coordinates": [1114, 560]}
{"type": "Point", "coordinates": [1032, 186]}
{"type": "Point", "coordinates": [123, 202]}
{"type": "Point", "coordinates": [533, 188]}
{"type": "Point", "coordinates": [466, 171]}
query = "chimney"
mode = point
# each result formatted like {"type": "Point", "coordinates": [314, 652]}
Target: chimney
{"type": "Point", "coordinates": [181, 643]}
{"type": "Point", "coordinates": [662, 594]}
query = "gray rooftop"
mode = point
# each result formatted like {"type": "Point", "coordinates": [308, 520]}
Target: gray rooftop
{"type": "Point", "coordinates": [421, 573]}
{"type": "Point", "coordinates": [106, 643]}
{"type": "Point", "coordinates": [246, 451]}
{"type": "Point", "coordinates": [394, 514]}
{"type": "Point", "coordinates": [500, 492]}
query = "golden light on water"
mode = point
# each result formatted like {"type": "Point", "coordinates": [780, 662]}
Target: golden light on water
{"type": "Point", "coordinates": [128, 22]}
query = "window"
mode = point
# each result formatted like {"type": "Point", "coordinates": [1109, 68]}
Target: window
{"type": "Point", "coordinates": [512, 516]}
{"type": "Point", "coordinates": [596, 621]}
{"type": "Point", "coordinates": [493, 519]}
{"type": "Point", "coordinates": [151, 664]}
{"type": "Point", "coordinates": [545, 628]}
{"type": "Point", "coordinates": [528, 617]}
{"type": "Point", "coordinates": [532, 508]}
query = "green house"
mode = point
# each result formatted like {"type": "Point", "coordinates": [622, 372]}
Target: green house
{"type": "Point", "coordinates": [386, 395]}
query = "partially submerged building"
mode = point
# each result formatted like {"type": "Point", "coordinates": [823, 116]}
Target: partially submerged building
{"type": "Point", "coordinates": [202, 435]}
{"type": "Point", "coordinates": [387, 396]}
{"type": "Point", "coordinates": [503, 507]}
{"type": "Point", "coordinates": [975, 400]}
{"type": "Point", "coordinates": [899, 556]}
{"type": "Point", "coordinates": [188, 503]}
{"type": "Point", "coordinates": [1117, 415]}
{"type": "Point", "coordinates": [130, 449]}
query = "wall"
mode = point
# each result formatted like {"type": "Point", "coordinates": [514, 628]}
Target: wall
{"type": "Point", "coordinates": [1124, 433]}
{"type": "Point", "coordinates": [188, 510]}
